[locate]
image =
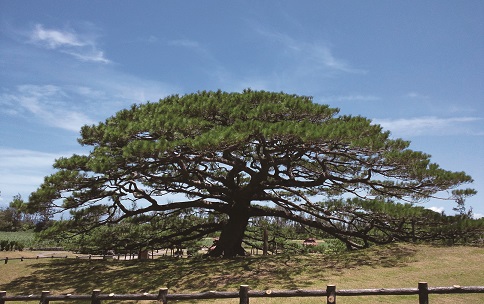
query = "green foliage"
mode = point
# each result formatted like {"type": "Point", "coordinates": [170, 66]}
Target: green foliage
{"type": "Point", "coordinates": [150, 231]}
{"type": "Point", "coordinates": [17, 217]}
{"type": "Point", "coordinates": [14, 217]}
{"type": "Point", "coordinates": [405, 222]}
{"type": "Point", "coordinates": [460, 196]}
{"type": "Point", "coordinates": [20, 240]}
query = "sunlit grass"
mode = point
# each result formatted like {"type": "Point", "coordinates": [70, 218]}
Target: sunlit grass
{"type": "Point", "coordinates": [394, 266]}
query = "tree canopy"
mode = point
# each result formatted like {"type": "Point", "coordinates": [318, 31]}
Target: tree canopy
{"type": "Point", "coordinates": [236, 156]}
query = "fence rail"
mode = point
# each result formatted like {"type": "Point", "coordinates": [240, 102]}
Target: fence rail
{"type": "Point", "coordinates": [33, 258]}
{"type": "Point", "coordinates": [85, 257]}
{"type": "Point", "coordinates": [244, 294]}
{"type": "Point", "coordinates": [127, 256]}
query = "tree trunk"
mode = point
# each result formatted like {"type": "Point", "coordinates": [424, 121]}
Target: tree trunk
{"type": "Point", "coordinates": [230, 242]}
{"type": "Point", "coordinates": [265, 247]}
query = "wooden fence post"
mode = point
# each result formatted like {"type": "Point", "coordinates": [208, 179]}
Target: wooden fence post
{"type": "Point", "coordinates": [331, 294]}
{"type": "Point", "coordinates": [3, 294]}
{"type": "Point", "coordinates": [244, 294]}
{"type": "Point", "coordinates": [265, 246]}
{"type": "Point", "coordinates": [95, 296]}
{"type": "Point", "coordinates": [423, 293]}
{"type": "Point", "coordinates": [43, 297]}
{"type": "Point", "coordinates": [162, 295]}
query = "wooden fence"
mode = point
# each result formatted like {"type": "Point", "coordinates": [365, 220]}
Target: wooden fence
{"type": "Point", "coordinates": [87, 257]}
{"type": "Point", "coordinates": [32, 258]}
{"type": "Point", "coordinates": [119, 256]}
{"type": "Point", "coordinates": [244, 294]}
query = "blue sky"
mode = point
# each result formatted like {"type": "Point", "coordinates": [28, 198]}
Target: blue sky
{"type": "Point", "coordinates": [415, 67]}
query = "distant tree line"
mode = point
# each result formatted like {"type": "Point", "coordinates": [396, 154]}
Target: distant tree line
{"type": "Point", "coordinates": [16, 217]}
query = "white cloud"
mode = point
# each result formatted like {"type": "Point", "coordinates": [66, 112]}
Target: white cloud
{"type": "Point", "coordinates": [22, 171]}
{"type": "Point", "coordinates": [324, 55]}
{"type": "Point", "coordinates": [437, 209]}
{"type": "Point", "coordinates": [54, 38]}
{"type": "Point", "coordinates": [429, 125]}
{"type": "Point", "coordinates": [21, 159]}
{"type": "Point", "coordinates": [74, 103]}
{"type": "Point", "coordinates": [47, 103]}
{"type": "Point", "coordinates": [442, 209]}
{"type": "Point", "coordinates": [93, 55]}
{"type": "Point", "coordinates": [416, 95]}
{"type": "Point", "coordinates": [80, 46]}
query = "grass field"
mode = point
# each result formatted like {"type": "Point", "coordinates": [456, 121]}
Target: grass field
{"type": "Point", "coordinates": [394, 266]}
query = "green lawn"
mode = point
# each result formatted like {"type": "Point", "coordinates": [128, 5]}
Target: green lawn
{"type": "Point", "coordinates": [394, 266]}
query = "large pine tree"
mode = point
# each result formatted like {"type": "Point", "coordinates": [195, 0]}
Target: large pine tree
{"type": "Point", "coordinates": [245, 154]}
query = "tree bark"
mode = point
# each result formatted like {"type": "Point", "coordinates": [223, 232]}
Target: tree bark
{"type": "Point", "coordinates": [230, 242]}
{"type": "Point", "coordinates": [265, 247]}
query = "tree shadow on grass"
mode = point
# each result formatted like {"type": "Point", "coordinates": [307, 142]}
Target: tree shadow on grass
{"type": "Point", "coordinates": [194, 275]}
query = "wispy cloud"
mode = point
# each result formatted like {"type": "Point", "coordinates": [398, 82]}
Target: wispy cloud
{"type": "Point", "coordinates": [54, 38]}
{"type": "Point", "coordinates": [317, 54]}
{"type": "Point", "coordinates": [23, 170]}
{"type": "Point", "coordinates": [416, 95]}
{"type": "Point", "coordinates": [430, 125]}
{"type": "Point", "coordinates": [93, 55]}
{"type": "Point", "coordinates": [323, 54]}
{"type": "Point", "coordinates": [80, 46]}
{"type": "Point", "coordinates": [352, 97]}
{"type": "Point", "coordinates": [49, 104]}
{"type": "Point", "coordinates": [25, 160]}
{"type": "Point", "coordinates": [124, 89]}
{"type": "Point", "coordinates": [70, 107]}
{"type": "Point", "coordinates": [185, 43]}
